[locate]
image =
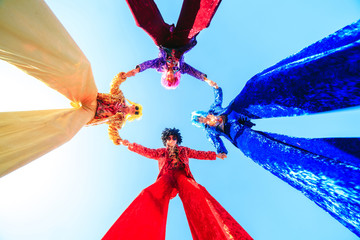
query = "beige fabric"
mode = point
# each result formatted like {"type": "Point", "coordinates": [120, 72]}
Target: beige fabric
{"type": "Point", "coordinates": [27, 135]}
{"type": "Point", "coordinates": [33, 39]}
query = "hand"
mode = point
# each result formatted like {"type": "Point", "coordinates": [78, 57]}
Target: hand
{"type": "Point", "coordinates": [221, 155]}
{"type": "Point", "coordinates": [125, 142]}
{"type": "Point", "coordinates": [211, 83]}
{"type": "Point", "coordinates": [132, 72]}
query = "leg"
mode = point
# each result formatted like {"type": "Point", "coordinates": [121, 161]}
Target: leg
{"type": "Point", "coordinates": [206, 217]}
{"type": "Point", "coordinates": [148, 17]}
{"type": "Point", "coordinates": [145, 218]}
{"type": "Point", "coordinates": [195, 15]}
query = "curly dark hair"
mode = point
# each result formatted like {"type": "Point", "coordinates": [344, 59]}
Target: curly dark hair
{"type": "Point", "coordinates": [171, 131]}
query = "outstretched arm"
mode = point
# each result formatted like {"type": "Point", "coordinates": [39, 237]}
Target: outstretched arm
{"type": "Point", "coordinates": [216, 142]}
{"type": "Point", "coordinates": [115, 84]}
{"type": "Point", "coordinates": [186, 68]}
{"type": "Point", "coordinates": [204, 155]}
{"type": "Point", "coordinates": [218, 98]}
{"type": "Point", "coordinates": [154, 63]}
{"type": "Point", "coordinates": [133, 72]}
{"type": "Point", "coordinates": [143, 151]}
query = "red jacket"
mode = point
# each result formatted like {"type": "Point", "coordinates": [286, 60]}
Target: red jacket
{"type": "Point", "coordinates": [162, 156]}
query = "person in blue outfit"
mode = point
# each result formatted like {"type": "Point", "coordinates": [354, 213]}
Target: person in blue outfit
{"type": "Point", "coordinates": [322, 77]}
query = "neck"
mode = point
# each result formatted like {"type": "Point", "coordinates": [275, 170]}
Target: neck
{"type": "Point", "coordinates": [171, 147]}
{"type": "Point", "coordinates": [124, 108]}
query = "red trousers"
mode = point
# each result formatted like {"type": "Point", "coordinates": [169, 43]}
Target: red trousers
{"type": "Point", "coordinates": [145, 218]}
{"type": "Point", "coordinates": [195, 15]}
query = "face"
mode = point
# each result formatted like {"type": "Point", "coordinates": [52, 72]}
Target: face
{"type": "Point", "coordinates": [171, 141]}
{"type": "Point", "coordinates": [170, 76]}
{"type": "Point", "coordinates": [172, 64]}
{"type": "Point", "coordinates": [204, 120]}
{"type": "Point", "coordinates": [134, 110]}
{"type": "Point", "coordinates": [201, 120]}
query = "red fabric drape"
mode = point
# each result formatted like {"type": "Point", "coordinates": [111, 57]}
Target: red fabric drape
{"type": "Point", "coordinates": [145, 218]}
{"type": "Point", "coordinates": [195, 15]}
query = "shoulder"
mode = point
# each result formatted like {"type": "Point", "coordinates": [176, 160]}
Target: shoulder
{"type": "Point", "coordinates": [182, 148]}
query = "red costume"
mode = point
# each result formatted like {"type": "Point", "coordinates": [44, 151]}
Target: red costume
{"type": "Point", "coordinates": [195, 15]}
{"type": "Point", "coordinates": [145, 218]}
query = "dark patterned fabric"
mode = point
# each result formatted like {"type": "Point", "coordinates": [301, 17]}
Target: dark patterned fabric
{"type": "Point", "coordinates": [160, 65]}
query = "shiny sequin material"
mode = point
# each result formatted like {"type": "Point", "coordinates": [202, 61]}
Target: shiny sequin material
{"type": "Point", "coordinates": [145, 218]}
{"type": "Point", "coordinates": [324, 76]}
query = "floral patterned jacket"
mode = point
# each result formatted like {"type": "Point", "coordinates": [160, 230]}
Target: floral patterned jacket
{"type": "Point", "coordinates": [164, 160]}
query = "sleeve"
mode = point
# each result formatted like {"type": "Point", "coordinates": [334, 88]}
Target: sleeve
{"type": "Point", "coordinates": [146, 152]}
{"type": "Point", "coordinates": [216, 141]}
{"type": "Point", "coordinates": [186, 68]}
{"type": "Point", "coordinates": [115, 84]}
{"type": "Point", "coordinates": [218, 98]}
{"type": "Point", "coordinates": [154, 63]}
{"type": "Point", "coordinates": [201, 155]}
{"type": "Point", "coordinates": [113, 130]}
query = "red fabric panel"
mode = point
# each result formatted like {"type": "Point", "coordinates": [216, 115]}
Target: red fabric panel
{"type": "Point", "coordinates": [146, 216]}
{"type": "Point", "coordinates": [148, 17]}
{"type": "Point", "coordinates": [204, 16]}
{"type": "Point", "coordinates": [195, 15]}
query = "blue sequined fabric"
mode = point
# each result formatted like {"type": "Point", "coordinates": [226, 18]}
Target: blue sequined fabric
{"type": "Point", "coordinates": [324, 76]}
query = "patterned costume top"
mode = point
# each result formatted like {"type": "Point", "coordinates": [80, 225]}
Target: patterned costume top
{"type": "Point", "coordinates": [221, 119]}
{"type": "Point", "coordinates": [166, 161]}
{"type": "Point", "coordinates": [109, 109]}
{"type": "Point", "coordinates": [160, 63]}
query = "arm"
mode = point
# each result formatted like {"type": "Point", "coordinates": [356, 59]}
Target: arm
{"type": "Point", "coordinates": [143, 151]}
{"type": "Point", "coordinates": [202, 155]}
{"type": "Point", "coordinates": [216, 141]}
{"type": "Point", "coordinates": [154, 63]}
{"type": "Point", "coordinates": [218, 96]}
{"type": "Point", "coordinates": [186, 68]}
{"type": "Point", "coordinates": [115, 84]}
{"type": "Point", "coordinates": [113, 131]}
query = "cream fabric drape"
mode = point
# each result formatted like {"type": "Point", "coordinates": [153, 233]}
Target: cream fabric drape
{"type": "Point", "coordinates": [33, 39]}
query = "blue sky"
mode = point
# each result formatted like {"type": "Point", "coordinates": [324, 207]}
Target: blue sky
{"type": "Point", "coordinates": [78, 190]}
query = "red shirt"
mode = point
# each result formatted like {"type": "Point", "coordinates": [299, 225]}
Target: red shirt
{"type": "Point", "coordinates": [165, 162]}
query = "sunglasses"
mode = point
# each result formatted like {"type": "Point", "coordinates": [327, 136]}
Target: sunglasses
{"type": "Point", "coordinates": [172, 138]}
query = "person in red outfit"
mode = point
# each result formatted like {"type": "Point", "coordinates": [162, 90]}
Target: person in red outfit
{"type": "Point", "coordinates": [145, 218]}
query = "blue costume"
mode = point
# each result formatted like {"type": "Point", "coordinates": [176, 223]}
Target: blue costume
{"type": "Point", "coordinates": [324, 76]}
